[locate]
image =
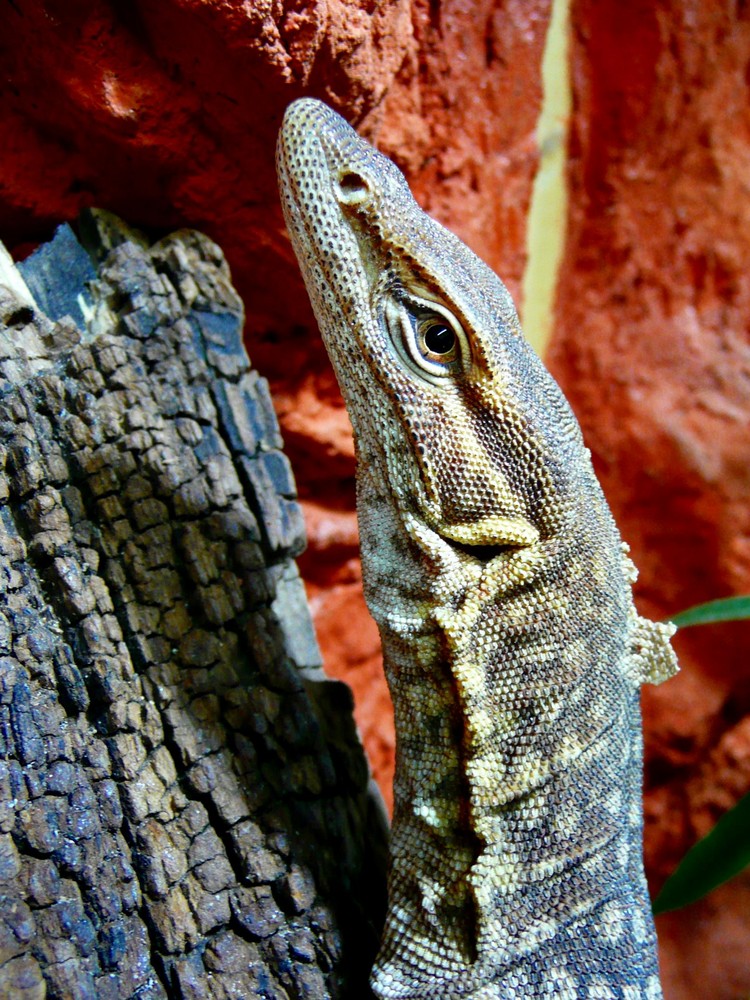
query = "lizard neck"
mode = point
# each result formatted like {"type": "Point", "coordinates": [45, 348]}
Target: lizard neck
{"type": "Point", "coordinates": [516, 831]}
{"type": "Point", "coordinates": [497, 578]}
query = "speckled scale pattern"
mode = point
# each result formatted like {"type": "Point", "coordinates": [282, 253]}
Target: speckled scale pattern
{"type": "Point", "coordinates": [502, 591]}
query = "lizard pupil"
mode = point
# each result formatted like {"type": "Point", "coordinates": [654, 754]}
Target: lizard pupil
{"type": "Point", "coordinates": [439, 339]}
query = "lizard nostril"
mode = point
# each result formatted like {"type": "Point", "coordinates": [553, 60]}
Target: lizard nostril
{"type": "Point", "coordinates": [353, 188]}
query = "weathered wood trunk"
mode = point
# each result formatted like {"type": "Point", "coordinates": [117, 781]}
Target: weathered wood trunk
{"type": "Point", "coordinates": [184, 804]}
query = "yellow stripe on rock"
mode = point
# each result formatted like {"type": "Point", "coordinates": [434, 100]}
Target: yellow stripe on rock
{"type": "Point", "coordinates": [547, 219]}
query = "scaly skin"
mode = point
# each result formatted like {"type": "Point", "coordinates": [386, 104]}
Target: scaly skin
{"type": "Point", "coordinates": [502, 592]}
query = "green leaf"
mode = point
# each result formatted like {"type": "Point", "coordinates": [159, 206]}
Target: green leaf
{"type": "Point", "coordinates": [722, 853]}
{"type": "Point", "coordinates": [728, 609]}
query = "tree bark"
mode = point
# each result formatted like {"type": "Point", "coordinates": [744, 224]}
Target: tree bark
{"type": "Point", "coordinates": [184, 804]}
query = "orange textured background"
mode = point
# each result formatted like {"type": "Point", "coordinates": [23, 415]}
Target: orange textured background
{"type": "Point", "coordinates": [165, 111]}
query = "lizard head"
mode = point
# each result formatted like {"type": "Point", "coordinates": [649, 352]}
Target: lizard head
{"type": "Point", "coordinates": [450, 406]}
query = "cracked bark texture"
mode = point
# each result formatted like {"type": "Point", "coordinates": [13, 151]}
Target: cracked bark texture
{"type": "Point", "coordinates": [184, 805]}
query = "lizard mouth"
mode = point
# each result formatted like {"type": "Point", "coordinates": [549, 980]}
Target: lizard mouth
{"type": "Point", "coordinates": [495, 532]}
{"type": "Point", "coordinates": [486, 553]}
{"type": "Point", "coordinates": [484, 548]}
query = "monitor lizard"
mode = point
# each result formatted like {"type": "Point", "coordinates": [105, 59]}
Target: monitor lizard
{"type": "Point", "coordinates": [502, 591]}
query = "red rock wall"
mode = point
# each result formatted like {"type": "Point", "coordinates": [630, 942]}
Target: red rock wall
{"type": "Point", "coordinates": [166, 111]}
{"type": "Point", "coordinates": [653, 348]}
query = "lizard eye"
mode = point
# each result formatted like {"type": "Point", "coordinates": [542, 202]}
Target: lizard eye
{"type": "Point", "coordinates": [437, 341]}
{"type": "Point", "coordinates": [427, 338]}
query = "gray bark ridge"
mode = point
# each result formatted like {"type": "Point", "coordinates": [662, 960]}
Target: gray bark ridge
{"type": "Point", "coordinates": [185, 807]}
